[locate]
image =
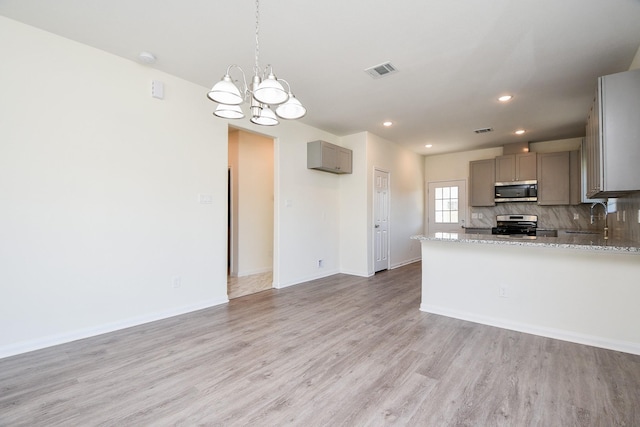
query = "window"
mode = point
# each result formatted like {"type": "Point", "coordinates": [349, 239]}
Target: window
{"type": "Point", "coordinates": [446, 205]}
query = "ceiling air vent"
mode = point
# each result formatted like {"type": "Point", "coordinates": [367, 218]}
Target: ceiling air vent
{"type": "Point", "coordinates": [381, 70]}
{"type": "Point", "coordinates": [483, 130]}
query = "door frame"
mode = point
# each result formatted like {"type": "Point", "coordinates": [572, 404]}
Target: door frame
{"type": "Point", "coordinates": [462, 201]}
{"type": "Point", "coordinates": [373, 230]}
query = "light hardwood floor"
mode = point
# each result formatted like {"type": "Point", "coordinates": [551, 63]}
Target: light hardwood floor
{"type": "Point", "coordinates": [339, 351]}
{"type": "Point", "coordinates": [246, 285]}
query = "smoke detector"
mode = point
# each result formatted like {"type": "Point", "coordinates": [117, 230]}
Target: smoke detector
{"type": "Point", "coordinates": [146, 58]}
{"type": "Point", "coordinates": [381, 70]}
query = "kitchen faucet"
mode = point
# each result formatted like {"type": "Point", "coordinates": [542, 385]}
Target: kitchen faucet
{"type": "Point", "coordinates": [604, 205]}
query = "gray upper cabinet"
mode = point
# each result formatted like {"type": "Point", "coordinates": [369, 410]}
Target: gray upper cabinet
{"type": "Point", "coordinates": [327, 157]}
{"type": "Point", "coordinates": [613, 136]}
{"type": "Point", "coordinates": [482, 182]}
{"type": "Point", "coordinates": [554, 178]}
{"type": "Point", "coordinates": [516, 167]}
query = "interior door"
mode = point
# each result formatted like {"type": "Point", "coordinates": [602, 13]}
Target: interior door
{"type": "Point", "coordinates": [447, 206]}
{"type": "Point", "coordinates": [381, 210]}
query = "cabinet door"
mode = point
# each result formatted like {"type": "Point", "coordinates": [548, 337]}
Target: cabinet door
{"type": "Point", "coordinates": [505, 168]}
{"type": "Point", "coordinates": [526, 167]}
{"type": "Point", "coordinates": [482, 182]}
{"type": "Point", "coordinates": [553, 178]}
{"type": "Point", "coordinates": [344, 160]}
{"type": "Point", "coordinates": [575, 178]}
{"type": "Point", "coordinates": [619, 103]}
{"type": "Point", "coordinates": [592, 142]}
{"type": "Point", "coordinates": [329, 156]}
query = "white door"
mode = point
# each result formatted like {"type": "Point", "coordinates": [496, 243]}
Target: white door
{"type": "Point", "coordinates": [447, 206]}
{"type": "Point", "coordinates": [381, 199]}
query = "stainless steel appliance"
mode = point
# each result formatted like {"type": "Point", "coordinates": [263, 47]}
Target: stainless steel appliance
{"type": "Point", "coordinates": [523, 191]}
{"type": "Point", "coordinates": [516, 225]}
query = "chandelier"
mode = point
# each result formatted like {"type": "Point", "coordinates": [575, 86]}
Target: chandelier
{"type": "Point", "coordinates": [266, 92]}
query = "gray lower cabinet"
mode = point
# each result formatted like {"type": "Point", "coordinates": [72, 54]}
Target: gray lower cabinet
{"type": "Point", "coordinates": [482, 181]}
{"type": "Point", "coordinates": [327, 157]}
{"type": "Point", "coordinates": [613, 136]}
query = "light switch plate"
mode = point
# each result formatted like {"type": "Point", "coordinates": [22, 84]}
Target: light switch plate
{"type": "Point", "coordinates": [157, 89]}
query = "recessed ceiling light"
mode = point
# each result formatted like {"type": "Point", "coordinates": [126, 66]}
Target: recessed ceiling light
{"type": "Point", "coordinates": [505, 98]}
{"type": "Point", "coordinates": [387, 124]}
{"type": "Point", "coordinates": [428, 145]}
{"type": "Point", "coordinates": [519, 131]}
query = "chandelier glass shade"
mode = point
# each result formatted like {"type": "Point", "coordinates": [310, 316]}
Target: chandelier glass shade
{"type": "Point", "coordinates": [266, 91]}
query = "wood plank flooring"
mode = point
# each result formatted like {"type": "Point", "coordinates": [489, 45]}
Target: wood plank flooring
{"type": "Point", "coordinates": [246, 285]}
{"type": "Point", "coordinates": [339, 351]}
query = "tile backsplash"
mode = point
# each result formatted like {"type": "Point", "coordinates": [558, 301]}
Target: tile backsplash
{"type": "Point", "coordinates": [564, 217]}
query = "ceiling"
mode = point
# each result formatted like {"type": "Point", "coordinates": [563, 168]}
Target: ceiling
{"type": "Point", "coordinates": [454, 57]}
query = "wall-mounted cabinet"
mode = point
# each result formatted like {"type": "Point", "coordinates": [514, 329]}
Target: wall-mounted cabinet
{"type": "Point", "coordinates": [613, 136]}
{"type": "Point", "coordinates": [327, 157]}
{"type": "Point", "coordinates": [516, 167]}
{"type": "Point", "coordinates": [482, 175]}
{"type": "Point", "coordinates": [554, 178]}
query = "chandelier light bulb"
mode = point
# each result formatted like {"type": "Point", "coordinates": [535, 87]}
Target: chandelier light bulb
{"type": "Point", "coordinates": [292, 109]}
{"type": "Point", "coordinates": [270, 91]}
{"type": "Point", "coordinates": [225, 92]}
{"type": "Point", "coordinates": [266, 118]}
{"type": "Point", "coordinates": [226, 111]}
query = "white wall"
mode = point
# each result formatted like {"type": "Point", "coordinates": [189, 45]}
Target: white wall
{"type": "Point", "coordinates": [99, 186]}
{"type": "Point", "coordinates": [635, 64]}
{"type": "Point", "coordinates": [406, 171]}
{"type": "Point", "coordinates": [354, 202]}
{"type": "Point", "coordinates": [254, 215]}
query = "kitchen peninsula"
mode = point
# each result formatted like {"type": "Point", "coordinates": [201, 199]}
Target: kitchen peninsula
{"type": "Point", "coordinates": [575, 287]}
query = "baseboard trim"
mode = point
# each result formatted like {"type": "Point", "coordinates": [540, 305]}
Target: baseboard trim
{"type": "Point", "coordinates": [403, 263]}
{"type": "Point", "coordinates": [561, 334]}
{"type": "Point", "coordinates": [306, 279]}
{"type": "Point", "coordinates": [50, 341]}
{"type": "Point", "coordinates": [356, 273]}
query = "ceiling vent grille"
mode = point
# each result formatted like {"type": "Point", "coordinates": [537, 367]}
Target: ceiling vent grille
{"type": "Point", "coordinates": [483, 130]}
{"type": "Point", "coordinates": [381, 70]}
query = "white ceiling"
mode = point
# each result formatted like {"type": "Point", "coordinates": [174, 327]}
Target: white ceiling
{"type": "Point", "coordinates": [454, 57]}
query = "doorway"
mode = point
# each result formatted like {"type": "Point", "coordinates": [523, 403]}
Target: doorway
{"type": "Point", "coordinates": [447, 202]}
{"type": "Point", "coordinates": [381, 214]}
{"type": "Point", "coordinates": [250, 212]}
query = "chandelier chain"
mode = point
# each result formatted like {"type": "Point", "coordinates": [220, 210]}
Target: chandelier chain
{"type": "Point", "coordinates": [257, 67]}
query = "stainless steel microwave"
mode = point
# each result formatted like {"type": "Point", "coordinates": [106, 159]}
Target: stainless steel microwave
{"type": "Point", "coordinates": [520, 191]}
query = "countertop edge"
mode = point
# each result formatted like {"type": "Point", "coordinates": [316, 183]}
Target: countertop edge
{"type": "Point", "coordinates": [548, 242]}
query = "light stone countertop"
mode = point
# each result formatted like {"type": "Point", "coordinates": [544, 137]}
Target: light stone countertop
{"type": "Point", "coordinates": [565, 239]}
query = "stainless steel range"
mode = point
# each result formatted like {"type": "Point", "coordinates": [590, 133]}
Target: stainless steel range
{"type": "Point", "coordinates": [516, 225]}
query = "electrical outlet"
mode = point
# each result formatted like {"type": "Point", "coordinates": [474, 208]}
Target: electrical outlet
{"type": "Point", "coordinates": [576, 216]}
{"type": "Point", "coordinates": [624, 216]}
{"type": "Point", "coordinates": [638, 216]}
{"type": "Point", "coordinates": [502, 291]}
